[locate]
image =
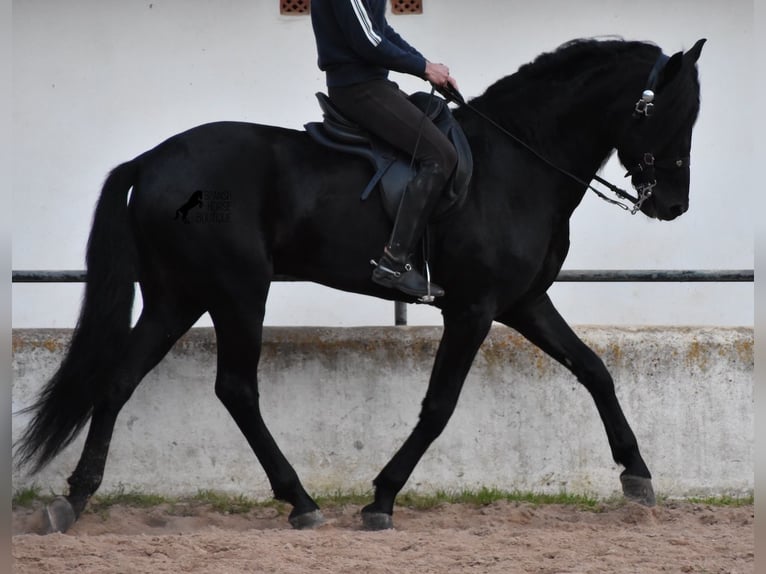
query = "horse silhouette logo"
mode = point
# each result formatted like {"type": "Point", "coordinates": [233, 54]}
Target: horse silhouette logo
{"type": "Point", "coordinates": [195, 200]}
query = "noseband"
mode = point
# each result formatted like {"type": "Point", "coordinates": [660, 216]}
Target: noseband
{"type": "Point", "coordinates": [644, 170]}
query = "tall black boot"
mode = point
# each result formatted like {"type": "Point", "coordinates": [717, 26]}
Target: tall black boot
{"type": "Point", "coordinates": [394, 269]}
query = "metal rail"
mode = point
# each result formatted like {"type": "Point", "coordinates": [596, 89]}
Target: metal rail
{"type": "Point", "coordinates": [567, 275]}
{"type": "Point", "coordinates": [74, 276]}
{"type": "Point", "coordinates": [657, 275]}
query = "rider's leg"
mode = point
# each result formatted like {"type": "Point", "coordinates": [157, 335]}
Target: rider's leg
{"type": "Point", "coordinates": [383, 109]}
{"type": "Point", "coordinates": [394, 269]}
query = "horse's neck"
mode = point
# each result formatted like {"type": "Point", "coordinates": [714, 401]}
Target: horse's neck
{"type": "Point", "coordinates": [577, 123]}
{"type": "Point", "coordinates": [591, 124]}
{"type": "Point", "coordinates": [574, 130]}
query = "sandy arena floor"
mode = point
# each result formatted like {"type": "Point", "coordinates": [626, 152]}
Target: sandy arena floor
{"type": "Point", "coordinates": [499, 538]}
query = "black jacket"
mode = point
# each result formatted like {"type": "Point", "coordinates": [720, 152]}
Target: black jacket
{"type": "Point", "coordinates": [355, 43]}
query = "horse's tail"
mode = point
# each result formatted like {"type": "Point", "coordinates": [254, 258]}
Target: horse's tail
{"type": "Point", "coordinates": [66, 402]}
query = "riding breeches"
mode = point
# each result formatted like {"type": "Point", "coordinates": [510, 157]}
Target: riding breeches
{"type": "Point", "coordinates": [384, 110]}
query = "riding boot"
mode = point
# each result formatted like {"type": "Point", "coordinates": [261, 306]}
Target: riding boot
{"type": "Point", "coordinates": [395, 269]}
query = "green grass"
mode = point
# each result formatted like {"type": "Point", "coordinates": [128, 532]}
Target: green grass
{"type": "Point", "coordinates": [481, 497]}
{"type": "Point", "coordinates": [726, 500]}
{"type": "Point", "coordinates": [241, 504]}
{"type": "Point", "coordinates": [233, 504]}
{"type": "Point", "coordinates": [28, 497]}
{"type": "Point", "coordinates": [218, 501]}
{"type": "Point", "coordinates": [485, 496]}
{"type": "Point", "coordinates": [128, 498]}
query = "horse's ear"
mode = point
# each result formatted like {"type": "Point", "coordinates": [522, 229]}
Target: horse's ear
{"type": "Point", "coordinates": [677, 61]}
{"type": "Point", "coordinates": [691, 57]}
{"type": "Point", "coordinates": [670, 70]}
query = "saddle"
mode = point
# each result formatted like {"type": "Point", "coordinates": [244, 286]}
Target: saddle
{"type": "Point", "coordinates": [393, 168]}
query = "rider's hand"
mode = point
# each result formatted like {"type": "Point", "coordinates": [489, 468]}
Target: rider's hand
{"type": "Point", "coordinates": [438, 75]}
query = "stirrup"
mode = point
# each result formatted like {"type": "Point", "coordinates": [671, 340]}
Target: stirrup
{"type": "Point", "coordinates": [397, 274]}
{"type": "Point", "coordinates": [427, 298]}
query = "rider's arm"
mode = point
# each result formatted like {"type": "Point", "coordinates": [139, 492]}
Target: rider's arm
{"type": "Point", "coordinates": [379, 45]}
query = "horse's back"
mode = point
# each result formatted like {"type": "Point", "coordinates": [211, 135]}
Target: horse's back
{"type": "Point", "coordinates": [265, 193]}
{"type": "Point", "coordinates": [215, 155]}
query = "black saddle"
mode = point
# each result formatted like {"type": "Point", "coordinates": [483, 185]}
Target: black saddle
{"type": "Point", "coordinates": [393, 168]}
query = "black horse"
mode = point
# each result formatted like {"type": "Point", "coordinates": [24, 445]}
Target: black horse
{"type": "Point", "coordinates": [294, 209]}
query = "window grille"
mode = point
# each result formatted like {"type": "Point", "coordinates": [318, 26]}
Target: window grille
{"type": "Point", "coordinates": [299, 7]}
{"type": "Point", "coordinates": [294, 7]}
{"type": "Point", "coordinates": [407, 6]}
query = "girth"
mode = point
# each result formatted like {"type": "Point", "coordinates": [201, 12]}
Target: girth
{"type": "Point", "coordinates": [392, 168]}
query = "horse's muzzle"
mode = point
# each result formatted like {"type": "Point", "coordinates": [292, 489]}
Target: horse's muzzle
{"type": "Point", "coordinates": [664, 211]}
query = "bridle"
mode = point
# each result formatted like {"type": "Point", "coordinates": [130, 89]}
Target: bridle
{"type": "Point", "coordinates": [645, 168]}
{"type": "Point", "coordinates": [643, 173]}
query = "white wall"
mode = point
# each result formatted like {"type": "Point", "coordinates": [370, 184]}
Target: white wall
{"type": "Point", "coordinates": [98, 81]}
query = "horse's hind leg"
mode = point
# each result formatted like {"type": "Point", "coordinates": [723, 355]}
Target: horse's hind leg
{"type": "Point", "coordinates": [238, 320]}
{"type": "Point", "coordinates": [543, 326]}
{"type": "Point", "coordinates": [152, 337]}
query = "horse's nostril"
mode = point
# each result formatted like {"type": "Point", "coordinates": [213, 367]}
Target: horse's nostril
{"type": "Point", "coordinates": [677, 210]}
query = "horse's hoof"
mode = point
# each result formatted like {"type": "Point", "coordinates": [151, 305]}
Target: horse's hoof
{"type": "Point", "coordinates": [58, 516]}
{"type": "Point", "coordinates": [307, 520]}
{"type": "Point", "coordinates": [638, 489]}
{"type": "Point", "coordinates": [377, 521]}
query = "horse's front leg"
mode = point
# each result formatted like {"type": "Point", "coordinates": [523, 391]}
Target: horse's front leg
{"type": "Point", "coordinates": [463, 335]}
{"type": "Point", "coordinates": [541, 324]}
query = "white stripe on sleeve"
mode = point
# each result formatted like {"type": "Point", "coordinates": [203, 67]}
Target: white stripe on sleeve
{"type": "Point", "coordinates": [365, 23]}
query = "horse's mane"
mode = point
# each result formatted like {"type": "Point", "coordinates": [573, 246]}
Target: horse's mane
{"type": "Point", "coordinates": [575, 59]}
{"type": "Point", "coordinates": [572, 68]}
{"type": "Point", "coordinates": [570, 56]}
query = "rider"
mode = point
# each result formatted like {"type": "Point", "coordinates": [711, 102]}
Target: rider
{"type": "Point", "coordinates": [357, 49]}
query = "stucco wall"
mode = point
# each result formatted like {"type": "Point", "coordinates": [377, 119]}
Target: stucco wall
{"type": "Point", "coordinates": [96, 82]}
{"type": "Point", "coordinates": [340, 401]}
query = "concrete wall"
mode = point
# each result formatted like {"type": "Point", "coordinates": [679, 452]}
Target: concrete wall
{"type": "Point", "coordinates": [340, 401]}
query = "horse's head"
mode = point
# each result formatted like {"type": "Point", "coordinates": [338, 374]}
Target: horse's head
{"type": "Point", "coordinates": [656, 146]}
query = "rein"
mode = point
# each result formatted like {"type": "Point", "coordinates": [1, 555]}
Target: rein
{"type": "Point", "coordinates": [644, 108]}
